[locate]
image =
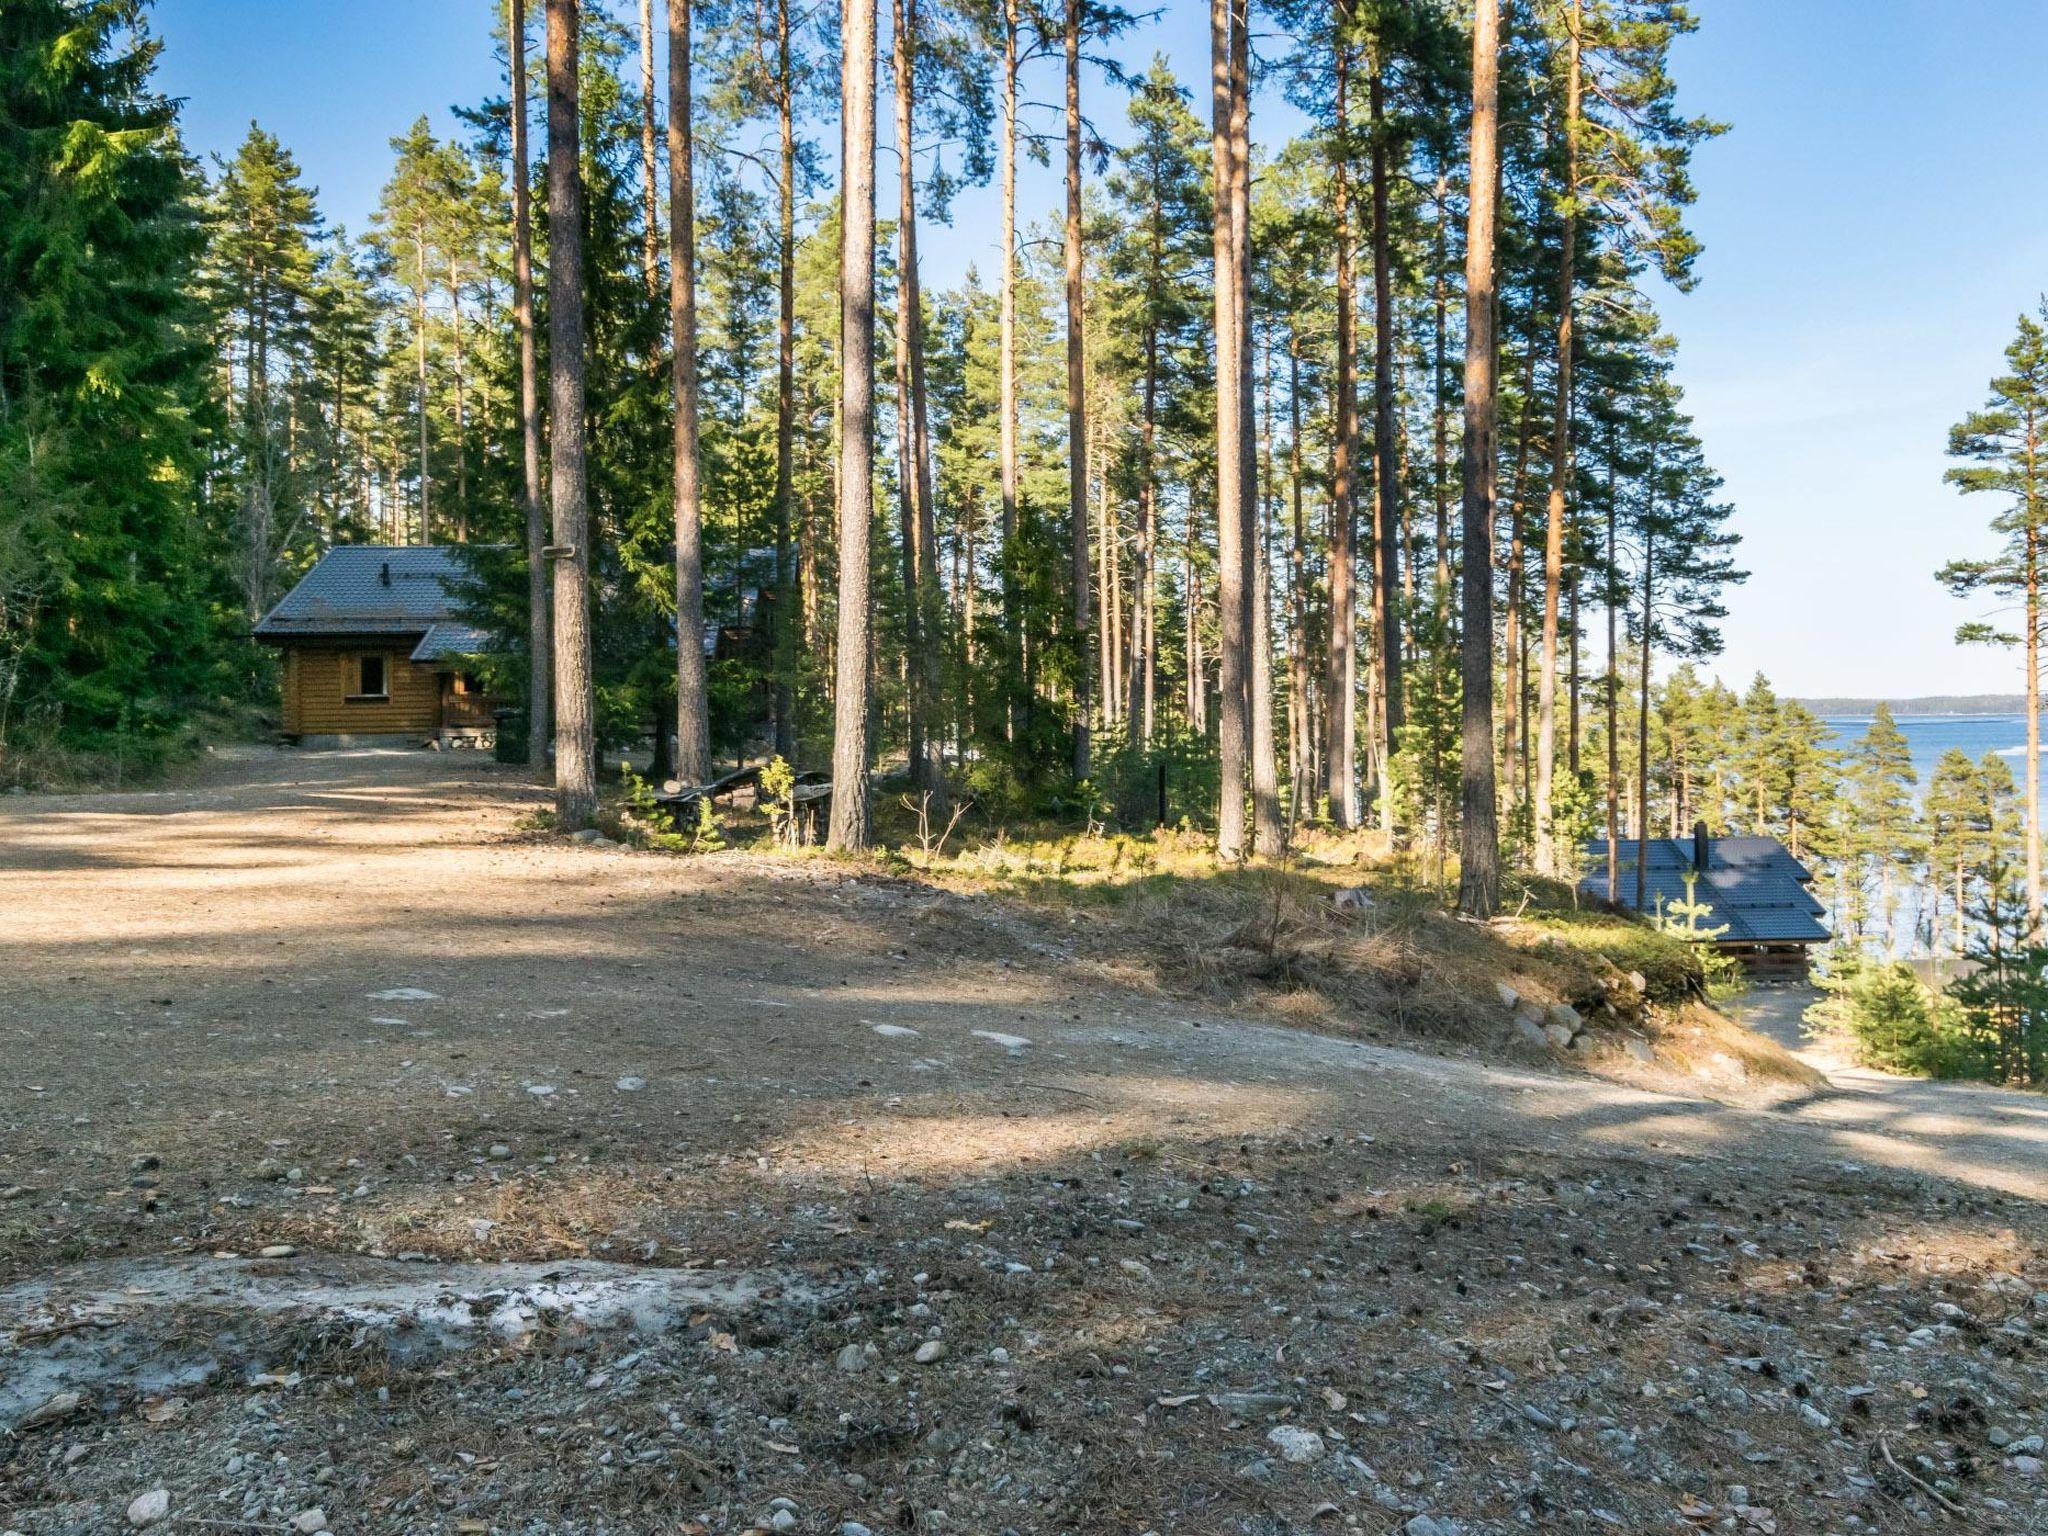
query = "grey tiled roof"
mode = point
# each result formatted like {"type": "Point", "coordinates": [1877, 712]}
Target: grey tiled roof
{"type": "Point", "coordinates": [1752, 884]}
{"type": "Point", "coordinates": [454, 639]}
{"type": "Point", "coordinates": [373, 589]}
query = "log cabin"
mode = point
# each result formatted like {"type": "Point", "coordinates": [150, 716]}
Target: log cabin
{"type": "Point", "coordinates": [373, 640]}
{"type": "Point", "coordinates": [1759, 904]}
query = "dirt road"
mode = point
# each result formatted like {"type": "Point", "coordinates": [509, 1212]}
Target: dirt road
{"type": "Point", "coordinates": [1104, 1257]}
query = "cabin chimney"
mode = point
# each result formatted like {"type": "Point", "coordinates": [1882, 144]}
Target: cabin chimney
{"type": "Point", "coordinates": [1701, 847]}
{"type": "Point", "coordinates": [384, 573]}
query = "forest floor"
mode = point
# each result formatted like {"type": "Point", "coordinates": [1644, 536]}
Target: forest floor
{"type": "Point", "coordinates": [372, 1161]}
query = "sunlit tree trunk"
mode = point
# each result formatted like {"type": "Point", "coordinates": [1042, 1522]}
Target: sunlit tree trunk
{"type": "Point", "coordinates": [1006, 346]}
{"type": "Point", "coordinates": [650, 237]}
{"type": "Point", "coordinates": [1340, 701]}
{"type": "Point", "coordinates": [913, 434]}
{"type": "Point", "coordinates": [787, 612]}
{"type": "Point", "coordinates": [575, 707]}
{"type": "Point", "coordinates": [1479, 835]}
{"type": "Point", "coordinates": [693, 704]}
{"type": "Point", "coordinates": [1548, 856]}
{"type": "Point", "coordinates": [849, 829]}
{"type": "Point", "coordinates": [1386, 435]}
{"type": "Point", "coordinates": [1077, 408]}
{"type": "Point", "coordinates": [540, 675]}
{"type": "Point", "coordinates": [1230, 488]}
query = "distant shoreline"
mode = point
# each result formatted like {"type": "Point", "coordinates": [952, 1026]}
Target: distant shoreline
{"type": "Point", "coordinates": [1934, 704]}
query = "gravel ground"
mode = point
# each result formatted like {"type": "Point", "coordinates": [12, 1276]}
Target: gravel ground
{"type": "Point", "coordinates": [369, 1163]}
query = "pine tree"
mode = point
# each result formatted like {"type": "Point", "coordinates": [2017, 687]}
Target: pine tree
{"type": "Point", "coordinates": [111, 619]}
{"type": "Point", "coordinates": [2007, 457]}
{"type": "Point", "coordinates": [1885, 835]}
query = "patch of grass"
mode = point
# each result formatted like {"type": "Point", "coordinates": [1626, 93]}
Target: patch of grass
{"type": "Point", "coordinates": [1671, 968]}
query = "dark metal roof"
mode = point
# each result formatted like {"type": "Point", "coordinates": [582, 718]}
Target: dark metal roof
{"type": "Point", "coordinates": [375, 589]}
{"type": "Point", "coordinates": [1753, 885]}
{"type": "Point", "coordinates": [446, 640]}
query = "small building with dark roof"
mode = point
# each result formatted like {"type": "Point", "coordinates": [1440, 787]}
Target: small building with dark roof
{"type": "Point", "coordinates": [1752, 887]}
{"type": "Point", "coordinates": [373, 640]}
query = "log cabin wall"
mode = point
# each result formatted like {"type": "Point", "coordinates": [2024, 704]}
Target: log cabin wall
{"type": "Point", "coordinates": [322, 692]}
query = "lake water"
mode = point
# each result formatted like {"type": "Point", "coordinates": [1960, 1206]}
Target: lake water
{"type": "Point", "coordinates": [1928, 736]}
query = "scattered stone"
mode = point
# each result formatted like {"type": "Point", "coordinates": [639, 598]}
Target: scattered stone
{"type": "Point", "coordinates": [277, 1251]}
{"type": "Point", "coordinates": [308, 1521]}
{"type": "Point", "coordinates": [1530, 1034]}
{"type": "Point", "coordinates": [930, 1351]}
{"type": "Point", "coordinates": [782, 1520]}
{"type": "Point", "coordinates": [894, 1031]}
{"type": "Point", "coordinates": [1427, 1525]}
{"type": "Point", "coordinates": [1640, 1049]}
{"type": "Point", "coordinates": [405, 995]}
{"type": "Point", "coordinates": [1558, 1035]}
{"type": "Point", "coordinates": [630, 1084]}
{"type": "Point", "coordinates": [853, 1528]}
{"type": "Point", "coordinates": [1010, 1043]}
{"type": "Point", "coordinates": [852, 1360]}
{"type": "Point", "coordinates": [148, 1508]}
{"type": "Point", "coordinates": [1356, 899]}
{"type": "Point", "coordinates": [590, 837]}
{"type": "Point", "coordinates": [1565, 1016]}
{"type": "Point", "coordinates": [52, 1410]}
{"type": "Point", "coordinates": [1295, 1444]}
{"type": "Point", "coordinates": [1509, 997]}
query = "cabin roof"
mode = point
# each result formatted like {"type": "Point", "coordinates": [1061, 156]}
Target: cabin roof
{"type": "Point", "coordinates": [381, 589]}
{"type": "Point", "coordinates": [1751, 884]}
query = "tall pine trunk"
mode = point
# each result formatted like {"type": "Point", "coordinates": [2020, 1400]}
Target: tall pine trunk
{"type": "Point", "coordinates": [849, 829]}
{"type": "Point", "coordinates": [913, 435]}
{"type": "Point", "coordinates": [693, 702]}
{"type": "Point", "coordinates": [1479, 834]}
{"type": "Point", "coordinates": [1231, 511]}
{"type": "Point", "coordinates": [575, 705]}
{"type": "Point", "coordinates": [787, 645]}
{"type": "Point", "coordinates": [1006, 368]}
{"type": "Point", "coordinates": [1549, 857]}
{"type": "Point", "coordinates": [1340, 707]}
{"type": "Point", "coordinates": [1386, 438]}
{"type": "Point", "coordinates": [419, 237]}
{"type": "Point", "coordinates": [1077, 407]}
{"type": "Point", "coordinates": [650, 237]}
{"type": "Point", "coordinates": [1643, 715]}
{"type": "Point", "coordinates": [539, 626]}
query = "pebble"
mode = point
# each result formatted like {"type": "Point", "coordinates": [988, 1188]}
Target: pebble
{"type": "Point", "coordinates": [929, 1351]}
{"type": "Point", "coordinates": [854, 1528]}
{"type": "Point", "coordinates": [782, 1520]}
{"type": "Point", "coordinates": [1295, 1444]}
{"type": "Point", "coordinates": [148, 1508]}
{"type": "Point", "coordinates": [499, 1152]}
{"type": "Point", "coordinates": [852, 1359]}
{"type": "Point", "coordinates": [277, 1251]}
{"type": "Point", "coordinates": [630, 1084]}
{"type": "Point", "coordinates": [307, 1521]}
{"type": "Point", "coordinates": [1426, 1525]}
{"type": "Point", "coordinates": [61, 1406]}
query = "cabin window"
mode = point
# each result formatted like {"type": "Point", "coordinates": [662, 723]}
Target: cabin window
{"type": "Point", "coordinates": [372, 679]}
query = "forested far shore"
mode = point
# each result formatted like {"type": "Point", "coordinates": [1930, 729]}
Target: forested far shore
{"type": "Point", "coordinates": [1922, 704]}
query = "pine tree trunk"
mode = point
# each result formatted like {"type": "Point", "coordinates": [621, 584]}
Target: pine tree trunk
{"type": "Point", "coordinates": [575, 705]}
{"type": "Point", "coordinates": [1386, 434]}
{"type": "Point", "coordinates": [1006, 345]}
{"type": "Point", "coordinates": [1269, 828]}
{"type": "Point", "coordinates": [1440, 412]}
{"type": "Point", "coordinates": [1234, 653]}
{"type": "Point", "coordinates": [1077, 409]}
{"type": "Point", "coordinates": [1301, 758]}
{"type": "Point", "coordinates": [1340, 690]}
{"type": "Point", "coordinates": [1614, 706]}
{"type": "Point", "coordinates": [787, 646]}
{"type": "Point", "coordinates": [1140, 666]}
{"type": "Point", "coordinates": [650, 238]}
{"type": "Point", "coordinates": [849, 829]}
{"type": "Point", "coordinates": [1548, 856]}
{"type": "Point", "coordinates": [1643, 719]}
{"type": "Point", "coordinates": [1479, 835]}
{"type": "Point", "coordinates": [913, 438]}
{"type": "Point", "coordinates": [693, 702]}
{"type": "Point", "coordinates": [2033, 648]}
{"type": "Point", "coordinates": [461, 415]}
{"type": "Point", "coordinates": [419, 236]}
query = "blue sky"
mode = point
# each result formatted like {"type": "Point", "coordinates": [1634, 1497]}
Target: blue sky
{"type": "Point", "coordinates": [1871, 231]}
